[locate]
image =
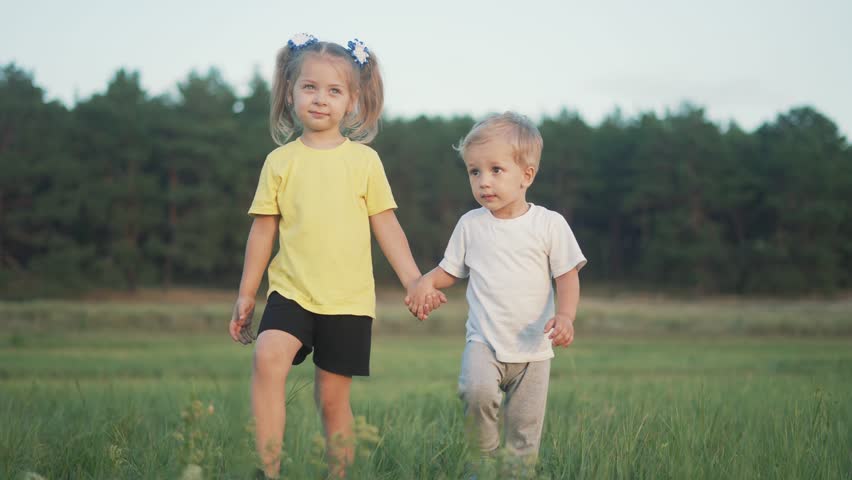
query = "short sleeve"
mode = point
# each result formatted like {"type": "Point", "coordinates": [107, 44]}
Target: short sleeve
{"type": "Point", "coordinates": [453, 261]}
{"type": "Point", "coordinates": [565, 253]}
{"type": "Point", "coordinates": [379, 196]}
{"type": "Point", "coordinates": [266, 196]}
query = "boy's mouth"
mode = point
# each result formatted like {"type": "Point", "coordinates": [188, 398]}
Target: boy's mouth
{"type": "Point", "coordinates": [488, 196]}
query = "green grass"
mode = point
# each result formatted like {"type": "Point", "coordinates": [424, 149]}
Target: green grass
{"type": "Point", "coordinates": [597, 315]}
{"type": "Point", "coordinates": [107, 404]}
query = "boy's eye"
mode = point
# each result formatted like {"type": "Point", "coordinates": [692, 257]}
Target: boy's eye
{"type": "Point", "coordinates": [497, 169]}
{"type": "Point", "coordinates": [474, 173]}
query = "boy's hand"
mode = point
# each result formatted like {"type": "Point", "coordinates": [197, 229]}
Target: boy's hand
{"type": "Point", "coordinates": [561, 328]}
{"type": "Point", "coordinates": [240, 327]}
{"type": "Point", "coordinates": [422, 298]}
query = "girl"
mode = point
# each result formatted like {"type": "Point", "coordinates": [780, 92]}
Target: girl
{"type": "Point", "coordinates": [321, 194]}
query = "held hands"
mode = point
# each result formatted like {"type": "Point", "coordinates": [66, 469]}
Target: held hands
{"type": "Point", "coordinates": [240, 327]}
{"type": "Point", "coordinates": [422, 298]}
{"type": "Point", "coordinates": [561, 328]}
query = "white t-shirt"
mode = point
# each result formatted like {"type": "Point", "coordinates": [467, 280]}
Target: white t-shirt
{"type": "Point", "coordinates": [511, 264]}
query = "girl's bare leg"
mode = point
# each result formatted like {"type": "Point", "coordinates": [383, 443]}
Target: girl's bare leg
{"type": "Point", "coordinates": [273, 357]}
{"type": "Point", "coordinates": [332, 396]}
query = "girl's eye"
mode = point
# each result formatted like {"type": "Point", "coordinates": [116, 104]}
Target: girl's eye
{"type": "Point", "coordinates": [308, 87]}
{"type": "Point", "coordinates": [336, 91]}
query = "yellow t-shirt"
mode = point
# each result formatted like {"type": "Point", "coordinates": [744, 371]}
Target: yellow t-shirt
{"type": "Point", "coordinates": [324, 198]}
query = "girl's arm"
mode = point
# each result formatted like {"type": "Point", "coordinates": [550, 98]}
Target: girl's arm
{"type": "Point", "coordinates": [259, 246]}
{"type": "Point", "coordinates": [394, 245]}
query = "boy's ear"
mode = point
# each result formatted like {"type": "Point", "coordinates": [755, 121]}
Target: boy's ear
{"type": "Point", "coordinates": [529, 176]}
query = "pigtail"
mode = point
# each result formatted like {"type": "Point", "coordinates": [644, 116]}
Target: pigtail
{"type": "Point", "coordinates": [281, 124]}
{"type": "Point", "coordinates": [362, 125]}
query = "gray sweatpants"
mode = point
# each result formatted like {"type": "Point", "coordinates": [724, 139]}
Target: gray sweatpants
{"type": "Point", "coordinates": [483, 379]}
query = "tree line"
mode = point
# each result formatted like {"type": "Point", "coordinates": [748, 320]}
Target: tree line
{"type": "Point", "coordinates": [126, 189]}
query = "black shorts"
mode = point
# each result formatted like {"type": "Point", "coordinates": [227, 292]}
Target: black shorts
{"type": "Point", "coordinates": [342, 342]}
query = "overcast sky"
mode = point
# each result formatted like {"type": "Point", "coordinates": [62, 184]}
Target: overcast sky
{"type": "Point", "coordinates": [741, 60]}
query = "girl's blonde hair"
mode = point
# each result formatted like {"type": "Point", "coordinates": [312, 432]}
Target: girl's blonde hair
{"type": "Point", "coordinates": [365, 81]}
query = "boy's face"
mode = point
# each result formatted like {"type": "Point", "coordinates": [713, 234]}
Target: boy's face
{"type": "Point", "coordinates": [497, 181]}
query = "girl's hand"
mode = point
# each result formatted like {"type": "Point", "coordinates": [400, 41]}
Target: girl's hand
{"type": "Point", "coordinates": [422, 298]}
{"type": "Point", "coordinates": [561, 328]}
{"type": "Point", "coordinates": [240, 327]}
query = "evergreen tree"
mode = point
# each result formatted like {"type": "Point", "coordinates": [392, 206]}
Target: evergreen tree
{"type": "Point", "coordinates": [39, 251]}
{"type": "Point", "coordinates": [121, 202]}
{"type": "Point", "coordinates": [126, 190]}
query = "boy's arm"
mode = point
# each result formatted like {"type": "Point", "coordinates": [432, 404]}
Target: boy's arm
{"type": "Point", "coordinates": [561, 326]}
{"type": "Point", "coordinates": [438, 278]}
{"type": "Point", "coordinates": [419, 297]}
{"type": "Point", "coordinates": [258, 250]}
{"type": "Point", "coordinates": [394, 245]}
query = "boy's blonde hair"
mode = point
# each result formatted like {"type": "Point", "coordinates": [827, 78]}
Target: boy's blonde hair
{"type": "Point", "coordinates": [361, 125]}
{"type": "Point", "coordinates": [518, 130]}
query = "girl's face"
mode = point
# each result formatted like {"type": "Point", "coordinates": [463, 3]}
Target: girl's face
{"type": "Point", "coordinates": [321, 95]}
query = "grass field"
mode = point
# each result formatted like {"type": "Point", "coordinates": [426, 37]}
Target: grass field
{"type": "Point", "coordinates": [86, 399]}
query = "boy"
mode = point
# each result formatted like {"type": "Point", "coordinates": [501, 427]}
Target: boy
{"type": "Point", "coordinates": [511, 250]}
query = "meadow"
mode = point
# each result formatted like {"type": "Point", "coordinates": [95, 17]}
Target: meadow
{"type": "Point", "coordinates": [652, 388]}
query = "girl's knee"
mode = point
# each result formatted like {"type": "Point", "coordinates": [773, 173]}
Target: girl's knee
{"type": "Point", "coordinates": [270, 360]}
{"type": "Point", "coordinates": [331, 391]}
{"type": "Point", "coordinates": [275, 351]}
{"type": "Point", "coordinates": [330, 402]}
{"type": "Point", "coordinates": [334, 410]}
